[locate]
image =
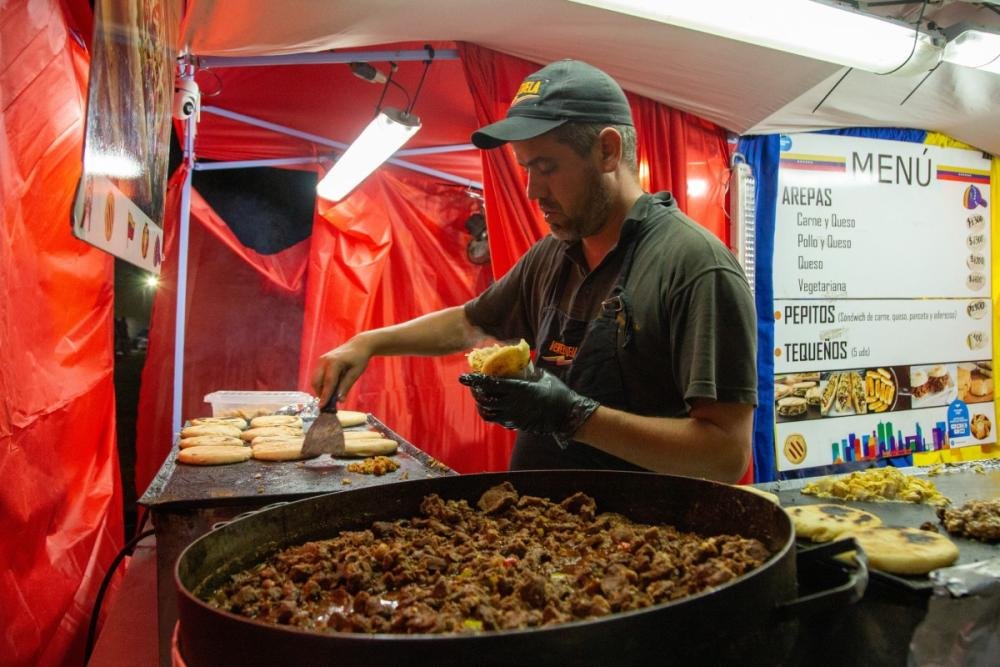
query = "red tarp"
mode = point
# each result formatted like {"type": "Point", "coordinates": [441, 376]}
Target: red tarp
{"type": "Point", "coordinates": [60, 493]}
{"type": "Point", "coordinates": [245, 321]}
{"type": "Point", "coordinates": [393, 250]}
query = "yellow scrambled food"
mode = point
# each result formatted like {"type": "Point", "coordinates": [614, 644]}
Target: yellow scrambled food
{"type": "Point", "coordinates": [877, 484]}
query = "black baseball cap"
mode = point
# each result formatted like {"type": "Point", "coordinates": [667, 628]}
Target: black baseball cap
{"type": "Point", "coordinates": [566, 90]}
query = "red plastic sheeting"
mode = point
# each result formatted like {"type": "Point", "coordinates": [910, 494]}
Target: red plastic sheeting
{"type": "Point", "coordinates": [393, 250]}
{"type": "Point", "coordinates": [244, 322]}
{"type": "Point", "coordinates": [60, 493]}
{"type": "Point", "coordinates": [676, 151]}
{"type": "Point", "coordinates": [330, 102]}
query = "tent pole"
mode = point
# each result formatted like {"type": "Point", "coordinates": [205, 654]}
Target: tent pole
{"type": "Point", "coordinates": [434, 150]}
{"type": "Point", "coordinates": [243, 164]}
{"type": "Point", "coordinates": [443, 175]}
{"type": "Point", "coordinates": [182, 266]}
{"type": "Point", "coordinates": [323, 58]}
{"type": "Point", "coordinates": [274, 127]}
{"type": "Point", "coordinates": [323, 141]}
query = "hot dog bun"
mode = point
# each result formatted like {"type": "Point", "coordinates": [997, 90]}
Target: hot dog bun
{"type": "Point", "coordinates": [501, 360]}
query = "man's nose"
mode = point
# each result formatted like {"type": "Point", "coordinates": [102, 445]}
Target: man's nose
{"type": "Point", "coordinates": [536, 187]}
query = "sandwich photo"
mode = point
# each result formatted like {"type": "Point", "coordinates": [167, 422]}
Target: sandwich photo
{"type": "Point", "coordinates": [829, 393]}
{"type": "Point", "coordinates": [792, 406]}
{"type": "Point", "coordinates": [919, 384]}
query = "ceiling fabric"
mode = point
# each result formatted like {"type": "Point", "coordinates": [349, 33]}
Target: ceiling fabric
{"type": "Point", "coordinates": [741, 87]}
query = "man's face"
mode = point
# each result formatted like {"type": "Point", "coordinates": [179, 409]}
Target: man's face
{"type": "Point", "coordinates": [568, 188]}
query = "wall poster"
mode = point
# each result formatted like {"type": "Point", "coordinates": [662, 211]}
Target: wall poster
{"type": "Point", "coordinates": [120, 201]}
{"type": "Point", "coordinates": [883, 317]}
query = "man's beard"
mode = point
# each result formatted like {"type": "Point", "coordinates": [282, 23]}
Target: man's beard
{"type": "Point", "coordinates": [591, 213]}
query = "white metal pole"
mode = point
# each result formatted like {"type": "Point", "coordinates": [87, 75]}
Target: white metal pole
{"type": "Point", "coordinates": [339, 145]}
{"type": "Point", "coordinates": [324, 58]}
{"type": "Point", "coordinates": [182, 264]}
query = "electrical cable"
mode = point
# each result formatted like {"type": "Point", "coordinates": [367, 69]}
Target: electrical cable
{"type": "Point", "coordinates": [392, 71]}
{"type": "Point", "coordinates": [829, 92]}
{"type": "Point", "coordinates": [404, 92]}
{"type": "Point", "coordinates": [913, 49]}
{"type": "Point", "coordinates": [218, 81]}
{"type": "Point", "coordinates": [140, 520]}
{"type": "Point", "coordinates": [926, 76]}
{"type": "Point", "coordinates": [92, 629]}
{"type": "Point", "coordinates": [427, 66]}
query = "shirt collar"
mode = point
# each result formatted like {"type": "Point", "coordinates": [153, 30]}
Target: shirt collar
{"type": "Point", "coordinates": [640, 210]}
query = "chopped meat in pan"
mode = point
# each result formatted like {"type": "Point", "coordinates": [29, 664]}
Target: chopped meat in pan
{"type": "Point", "coordinates": [978, 519]}
{"type": "Point", "coordinates": [517, 562]}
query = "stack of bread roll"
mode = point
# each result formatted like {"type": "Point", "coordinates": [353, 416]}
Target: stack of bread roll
{"type": "Point", "coordinates": [220, 440]}
{"type": "Point", "coordinates": [275, 437]}
{"type": "Point", "coordinates": [213, 441]}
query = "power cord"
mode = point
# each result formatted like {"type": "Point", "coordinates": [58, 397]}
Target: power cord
{"type": "Point", "coordinates": [913, 49]}
{"type": "Point", "coordinates": [95, 613]}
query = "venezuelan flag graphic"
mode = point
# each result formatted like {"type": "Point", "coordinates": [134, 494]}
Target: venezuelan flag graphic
{"type": "Point", "coordinates": [813, 162]}
{"type": "Point", "coordinates": [964, 174]}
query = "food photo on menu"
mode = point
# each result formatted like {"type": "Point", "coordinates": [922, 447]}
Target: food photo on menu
{"type": "Point", "coordinates": [974, 381]}
{"type": "Point", "coordinates": [837, 393]}
{"type": "Point", "coordinates": [932, 385]}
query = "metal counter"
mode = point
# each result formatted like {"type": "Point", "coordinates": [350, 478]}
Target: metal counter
{"type": "Point", "coordinates": [878, 629]}
{"type": "Point", "coordinates": [186, 501]}
{"type": "Point", "coordinates": [958, 482]}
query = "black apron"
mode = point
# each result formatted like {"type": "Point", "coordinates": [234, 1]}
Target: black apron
{"type": "Point", "coordinates": [595, 370]}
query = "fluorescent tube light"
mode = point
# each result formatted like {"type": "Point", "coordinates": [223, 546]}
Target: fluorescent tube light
{"type": "Point", "coordinates": [804, 27]}
{"type": "Point", "coordinates": [387, 132]}
{"type": "Point", "coordinates": [970, 47]}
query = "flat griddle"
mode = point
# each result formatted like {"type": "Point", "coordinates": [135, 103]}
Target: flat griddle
{"type": "Point", "coordinates": [177, 485]}
{"type": "Point", "coordinates": [959, 482]}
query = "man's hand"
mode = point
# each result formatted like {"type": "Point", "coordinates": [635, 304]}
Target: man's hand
{"type": "Point", "coordinates": [540, 405]}
{"type": "Point", "coordinates": [338, 369]}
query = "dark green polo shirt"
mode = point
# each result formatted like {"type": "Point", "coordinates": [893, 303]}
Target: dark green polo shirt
{"type": "Point", "coordinates": [695, 324]}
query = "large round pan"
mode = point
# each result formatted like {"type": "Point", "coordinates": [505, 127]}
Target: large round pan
{"type": "Point", "coordinates": [734, 620]}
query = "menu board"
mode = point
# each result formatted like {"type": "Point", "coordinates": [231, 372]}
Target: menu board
{"type": "Point", "coordinates": [883, 318]}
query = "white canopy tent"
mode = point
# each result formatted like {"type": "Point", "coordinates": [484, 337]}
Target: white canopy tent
{"type": "Point", "coordinates": [744, 88]}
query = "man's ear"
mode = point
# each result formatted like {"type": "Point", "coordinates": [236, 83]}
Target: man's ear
{"type": "Point", "coordinates": [609, 143]}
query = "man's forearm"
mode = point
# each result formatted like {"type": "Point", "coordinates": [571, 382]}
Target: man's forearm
{"type": "Point", "coordinates": [441, 332]}
{"type": "Point", "coordinates": [690, 446]}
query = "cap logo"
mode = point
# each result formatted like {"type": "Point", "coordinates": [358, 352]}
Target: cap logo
{"type": "Point", "coordinates": [527, 89]}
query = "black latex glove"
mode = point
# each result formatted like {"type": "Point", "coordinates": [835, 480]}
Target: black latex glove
{"type": "Point", "coordinates": [543, 404]}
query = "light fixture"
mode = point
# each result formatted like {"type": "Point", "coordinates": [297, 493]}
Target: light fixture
{"type": "Point", "coordinates": [804, 27]}
{"type": "Point", "coordinates": [152, 281]}
{"type": "Point", "coordinates": [971, 46]}
{"type": "Point", "coordinates": [387, 132]}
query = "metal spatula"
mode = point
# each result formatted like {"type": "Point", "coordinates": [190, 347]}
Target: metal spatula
{"type": "Point", "coordinates": [326, 435]}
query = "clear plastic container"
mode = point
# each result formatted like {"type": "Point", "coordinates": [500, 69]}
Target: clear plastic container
{"type": "Point", "coordinates": [249, 404]}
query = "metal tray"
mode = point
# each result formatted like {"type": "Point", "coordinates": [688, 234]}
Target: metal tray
{"type": "Point", "coordinates": [960, 483]}
{"type": "Point", "coordinates": [179, 485]}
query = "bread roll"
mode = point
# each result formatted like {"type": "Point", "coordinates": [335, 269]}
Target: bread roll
{"type": "Point", "coordinates": [501, 360]}
{"type": "Point", "coordinates": [211, 455]}
{"type": "Point", "coordinates": [238, 422]}
{"type": "Point", "coordinates": [252, 433]}
{"type": "Point", "coordinates": [209, 440]}
{"type": "Point", "coordinates": [210, 429]}
{"type": "Point", "coordinates": [276, 420]}
{"type": "Point", "coordinates": [349, 418]}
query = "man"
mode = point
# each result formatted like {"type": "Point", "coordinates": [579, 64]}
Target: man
{"type": "Point", "coordinates": [641, 321]}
